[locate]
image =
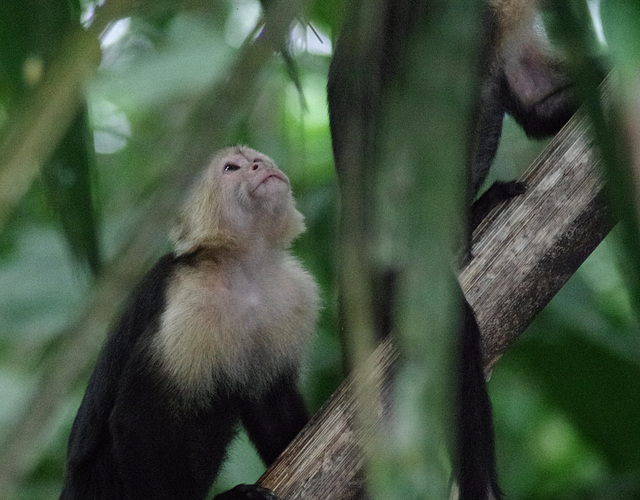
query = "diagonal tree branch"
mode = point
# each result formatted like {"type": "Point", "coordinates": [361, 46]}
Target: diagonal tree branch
{"type": "Point", "coordinates": [524, 252]}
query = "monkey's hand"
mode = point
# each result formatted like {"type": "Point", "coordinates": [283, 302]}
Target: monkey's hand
{"type": "Point", "coordinates": [247, 492]}
{"type": "Point", "coordinates": [498, 192]}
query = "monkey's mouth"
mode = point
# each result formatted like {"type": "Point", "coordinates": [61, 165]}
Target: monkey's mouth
{"type": "Point", "coordinates": [274, 176]}
{"type": "Point", "coordinates": [269, 178]}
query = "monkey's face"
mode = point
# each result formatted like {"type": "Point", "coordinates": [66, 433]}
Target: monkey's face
{"type": "Point", "coordinates": [253, 177]}
{"type": "Point", "coordinates": [253, 190]}
{"type": "Point", "coordinates": [243, 196]}
{"type": "Point", "coordinates": [538, 90]}
{"type": "Point", "coordinates": [534, 68]}
{"type": "Point", "coordinates": [255, 196]}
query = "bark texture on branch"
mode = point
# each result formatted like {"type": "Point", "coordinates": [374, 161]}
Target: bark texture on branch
{"type": "Point", "coordinates": [524, 252]}
{"type": "Point", "coordinates": [324, 460]}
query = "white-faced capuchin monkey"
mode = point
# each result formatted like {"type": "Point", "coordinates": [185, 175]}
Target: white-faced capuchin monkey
{"type": "Point", "coordinates": [520, 75]}
{"type": "Point", "coordinates": [213, 336]}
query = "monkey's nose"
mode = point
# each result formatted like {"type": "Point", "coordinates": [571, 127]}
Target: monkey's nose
{"type": "Point", "coordinates": [255, 166]}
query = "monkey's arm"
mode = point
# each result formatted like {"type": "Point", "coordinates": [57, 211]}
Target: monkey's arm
{"type": "Point", "coordinates": [130, 438]}
{"type": "Point", "coordinates": [275, 419]}
{"type": "Point", "coordinates": [487, 119]}
{"type": "Point", "coordinates": [90, 462]}
{"type": "Point", "coordinates": [159, 445]}
{"type": "Point", "coordinates": [271, 422]}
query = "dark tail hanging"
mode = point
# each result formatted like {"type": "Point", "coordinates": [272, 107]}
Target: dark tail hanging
{"type": "Point", "coordinates": [475, 451]}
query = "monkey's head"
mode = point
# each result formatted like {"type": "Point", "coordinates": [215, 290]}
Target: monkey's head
{"type": "Point", "coordinates": [242, 197]}
{"type": "Point", "coordinates": [538, 91]}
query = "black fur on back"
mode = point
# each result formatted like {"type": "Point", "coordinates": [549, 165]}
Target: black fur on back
{"type": "Point", "coordinates": [135, 438]}
{"type": "Point", "coordinates": [89, 443]}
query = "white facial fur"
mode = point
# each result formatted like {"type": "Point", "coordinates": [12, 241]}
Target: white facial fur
{"type": "Point", "coordinates": [231, 207]}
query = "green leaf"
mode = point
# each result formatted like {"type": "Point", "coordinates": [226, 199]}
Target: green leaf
{"type": "Point", "coordinates": [32, 34]}
{"type": "Point", "coordinates": [67, 177]}
{"type": "Point", "coordinates": [598, 390]}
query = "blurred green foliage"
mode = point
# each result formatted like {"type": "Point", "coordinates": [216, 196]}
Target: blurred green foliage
{"type": "Point", "coordinates": [33, 36]}
{"type": "Point", "coordinates": [566, 396]}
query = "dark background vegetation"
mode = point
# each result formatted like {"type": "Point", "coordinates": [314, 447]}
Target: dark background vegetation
{"type": "Point", "coordinates": [566, 396]}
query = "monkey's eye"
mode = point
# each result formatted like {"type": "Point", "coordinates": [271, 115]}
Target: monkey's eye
{"type": "Point", "coordinates": [231, 167]}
